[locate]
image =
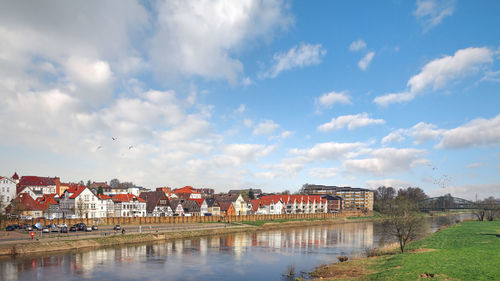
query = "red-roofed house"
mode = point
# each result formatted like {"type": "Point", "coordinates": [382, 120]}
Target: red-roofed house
{"type": "Point", "coordinates": [79, 201]}
{"type": "Point", "coordinates": [129, 205]}
{"type": "Point", "coordinates": [51, 208]}
{"type": "Point", "coordinates": [39, 185]}
{"type": "Point", "coordinates": [25, 206]}
{"type": "Point", "coordinates": [267, 206]}
{"type": "Point", "coordinates": [203, 205]}
{"type": "Point", "coordinates": [193, 193]}
{"type": "Point", "coordinates": [297, 204]}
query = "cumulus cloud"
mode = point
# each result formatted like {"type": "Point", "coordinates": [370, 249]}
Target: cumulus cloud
{"type": "Point", "coordinates": [438, 73]}
{"type": "Point", "coordinates": [384, 161]}
{"type": "Point", "coordinates": [200, 37]}
{"type": "Point", "coordinates": [374, 184]}
{"type": "Point", "coordinates": [266, 127]}
{"type": "Point", "coordinates": [366, 60]}
{"type": "Point", "coordinates": [298, 56]}
{"type": "Point", "coordinates": [324, 173]}
{"type": "Point", "coordinates": [357, 45]}
{"type": "Point", "coordinates": [476, 133]}
{"type": "Point", "coordinates": [329, 99]}
{"type": "Point", "coordinates": [352, 122]}
{"type": "Point", "coordinates": [420, 132]}
{"type": "Point", "coordinates": [432, 12]}
{"type": "Point", "coordinates": [327, 151]}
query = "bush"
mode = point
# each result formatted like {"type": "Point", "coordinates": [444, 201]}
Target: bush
{"type": "Point", "coordinates": [342, 258]}
{"type": "Point", "coordinates": [372, 252]}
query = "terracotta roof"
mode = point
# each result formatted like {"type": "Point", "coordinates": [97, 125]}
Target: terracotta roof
{"type": "Point", "coordinates": [103, 197]}
{"type": "Point", "coordinates": [77, 192]}
{"type": "Point", "coordinates": [37, 181]}
{"type": "Point", "coordinates": [198, 201]}
{"type": "Point", "coordinates": [28, 203]}
{"type": "Point", "coordinates": [126, 198]}
{"type": "Point", "coordinates": [255, 204]}
{"type": "Point", "coordinates": [47, 200]}
{"type": "Point", "coordinates": [186, 189]}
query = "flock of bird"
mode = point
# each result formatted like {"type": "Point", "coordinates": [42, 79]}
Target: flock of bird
{"type": "Point", "coordinates": [443, 180]}
{"type": "Point", "coordinates": [130, 147]}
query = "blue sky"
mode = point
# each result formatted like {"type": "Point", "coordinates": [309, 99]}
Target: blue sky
{"type": "Point", "coordinates": [262, 94]}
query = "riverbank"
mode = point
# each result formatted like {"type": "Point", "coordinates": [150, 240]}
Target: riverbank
{"type": "Point", "coordinates": [76, 243]}
{"type": "Point", "coordinates": [466, 251]}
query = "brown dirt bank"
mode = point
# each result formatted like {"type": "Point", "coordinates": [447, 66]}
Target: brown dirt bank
{"type": "Point", "coordinates": [36, 247]}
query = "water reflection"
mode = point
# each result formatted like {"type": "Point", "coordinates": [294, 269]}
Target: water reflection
{"type": "Point", "coordinates": [245, 256]}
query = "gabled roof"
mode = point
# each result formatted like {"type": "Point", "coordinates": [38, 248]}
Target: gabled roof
{"type": "Point", "coordinates": [211, 202]}
{"type": "Point", "coordinates": [77, 192]}
{"type": "Point", "coordinates": [198, 201]}
{"type": "Point", "coordinates": [15, 176]}
{"type": "Point", "coordinates": [226, 197]}
{"type": "Point", "coordinates": [186, 189]}
{"type": "Point", "coordinates": [28, 203]}
{"type": "Point", "coordinates": [153, 198]}
{"type": "Point", "coordinates": [225, 205]}
{"type": "Point", "coordinates": [99, 184]}
{"type": "Point", "coordinates": [126, 198]}
{"type": "Point", "coordinates": [47, 200]}
{"type": "Point", "coordinates": [190, 206]}
{"type": "Point", "coordinates": [255, 204]}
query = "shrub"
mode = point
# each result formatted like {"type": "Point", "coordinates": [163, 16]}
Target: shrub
{"type": "Point", "coordinates": [342, 258]}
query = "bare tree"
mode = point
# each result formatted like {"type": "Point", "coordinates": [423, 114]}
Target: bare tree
{"type": "Point", "coordinates": [81, 208]}
{"type": "Point", "coordinates": [403, 222]}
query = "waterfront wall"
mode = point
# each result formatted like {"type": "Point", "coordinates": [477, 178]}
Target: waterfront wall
{"type": "Point", "coordinates": [184, 219]}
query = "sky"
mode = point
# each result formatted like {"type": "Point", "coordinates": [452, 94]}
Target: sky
{"type": "Point", "coordinates": [254, 94]}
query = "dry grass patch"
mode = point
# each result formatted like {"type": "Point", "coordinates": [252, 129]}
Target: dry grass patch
{"type": "Point", "coordinates": [351, 270]}
{"type": "Point", "coordinates": [423, 250]}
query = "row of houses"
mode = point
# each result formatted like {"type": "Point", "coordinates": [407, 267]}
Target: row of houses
{"type": "Point", "coordinates": [32, 196]}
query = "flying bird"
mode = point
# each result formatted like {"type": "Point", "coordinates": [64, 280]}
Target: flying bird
{"type": "Point", "coordinates": [113, 138]}
{"type": "Point", "coordinates": [99, 147]}
{"type": "Point", "coordinates": [130, 147]}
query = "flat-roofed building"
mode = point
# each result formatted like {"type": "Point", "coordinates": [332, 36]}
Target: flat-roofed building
{"type": "Point", "coordinates": [353, 198]}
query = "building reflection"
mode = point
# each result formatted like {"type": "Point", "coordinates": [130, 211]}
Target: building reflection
{"type": "Point", "coordinates": [205, 251]}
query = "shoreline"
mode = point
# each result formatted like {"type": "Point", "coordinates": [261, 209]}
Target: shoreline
{"type": "Point", "coordinates": [40, 247]}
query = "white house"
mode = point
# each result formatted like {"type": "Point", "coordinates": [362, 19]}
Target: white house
{"type": "Point", "coordinates": [129, 205]}
{"type": "Point", "coordinates": [7, 192]}
{"type": "Point", "coordinates": [80, 201]}
{"type": "Point", "coordinates": [267, 206]}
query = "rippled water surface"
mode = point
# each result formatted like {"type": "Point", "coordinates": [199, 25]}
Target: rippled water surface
{"type": "Point", "coordinates": [264, 255]}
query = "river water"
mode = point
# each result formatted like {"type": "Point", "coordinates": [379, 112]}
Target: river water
{"type": "Point", "coordinates": [264, 255]}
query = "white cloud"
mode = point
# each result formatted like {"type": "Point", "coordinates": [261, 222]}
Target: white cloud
{"type": "Point", "coordinates": [470, 191]}
{"type": "Point", "coordinates": [266, 127]}
{"type": "Point", "coordinates": [357, 45]}
{"type": "Point", "coordinates": [366, 60]}
{"type": "Point", "coordinates": [241, 109]}
{"type": "Point", "coordinates": [329, 99]}
{"type": "Point", "coordinates": [438, 73]}
{"type": "Point", "coordinates": [286, 134]}
{"type": "Point", "coordinates": [374, 184]}
{"type": "Point", "coordinates": [386, 161]}
{"type": "Point", "coordinates": [431, 12]}
{"type": "Point", "coordinates": [324, 173]}
{"type": "Point", "coordinates": [396, 136]}
{"type": "Point", "coordinates": [478, 132]}
{"type": "Point", "coordinates": [352, 122]}
{"type": "Point", "coordinates": [248, 122]}
{"type": "Point", "coordinates": [200, 37]}
{"type": "Point", "coordinates": [492, 76]}
{"type": "Point", "coordinates": [327, 151]}
{"type": "Point", "coordinates": [90, 72]}
{"type": "Point", "coordinates": [298, 56]}
{"type": "Point", "coordinates": [388, 99]}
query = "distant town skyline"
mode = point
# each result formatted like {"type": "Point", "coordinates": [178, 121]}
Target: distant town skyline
{"type": "Point", "coordinates": [254, 94]}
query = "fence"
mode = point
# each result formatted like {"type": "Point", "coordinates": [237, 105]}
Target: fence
{"type": "Point", "coordinates": [182, 219]}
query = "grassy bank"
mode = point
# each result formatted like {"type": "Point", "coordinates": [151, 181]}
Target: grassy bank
{"type": "Point", "coordinates": [466, 251]}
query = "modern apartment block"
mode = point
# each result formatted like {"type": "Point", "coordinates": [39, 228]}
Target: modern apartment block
{"type": "Point", "coordinates": [353, 198]}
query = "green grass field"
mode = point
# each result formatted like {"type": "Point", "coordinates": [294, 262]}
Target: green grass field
{"type": "Point", "coordinates": [467, 251]}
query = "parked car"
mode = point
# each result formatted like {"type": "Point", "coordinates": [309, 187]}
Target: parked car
{"type": "Point", "coordinates": [10, 228]}
{"type": "Point", "coordinates": [28, 228]}
{"type": "Point", "coordinates": [73, 228]}
{"type": "Point", "coordinates": [88, 228]}
{"type": "Point", "coordinates": [94, 227]}
{"type": "Point", "coordinates": [64, 229]}
{"type": "Point", "coordinates": [117, 227]}
{"type": "Point", "coordinates": [54, 228]}
{"type": "Point", "coordinates": [81, 226]}
{"type": "Point", "coordinates": [62, 225]}
{"type": "Point", "coordinates": [46, 229]}
{"type": "Point", "coordinates": [37, 226]}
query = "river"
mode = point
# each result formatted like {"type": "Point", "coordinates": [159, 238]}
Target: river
{"type": "Point", "coordinates": [263, 255]}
